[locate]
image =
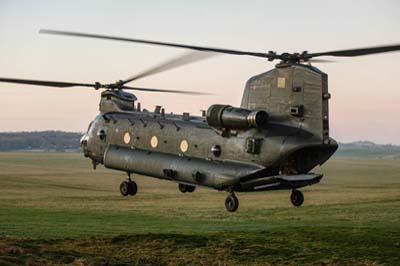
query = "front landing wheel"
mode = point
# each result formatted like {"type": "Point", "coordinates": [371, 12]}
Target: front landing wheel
{"type": "Point", "coordinates": [186, 188]}
{"type": "Point", "coordinates": [232, 203]}
{"type": "Point", "coordinates": [132, 188]}
{"type": "Point", "coordinates": [128, 188]}
{"type": "Point", "coordinates": [297, 198]}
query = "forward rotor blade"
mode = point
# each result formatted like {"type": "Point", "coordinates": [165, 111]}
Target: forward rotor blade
{"type": "Point", "coordinates": [358, 51]}
{"type": "Point", "coordinates": [193, 47]}
{"type": "Point", "coordinates": [167, 91]}
{"type": "Point", "coordinates": [46, 83]}
{"type": "Point", "coordinates": [181, 60]}
{"type": "Point", "coordinates": [312, 60]}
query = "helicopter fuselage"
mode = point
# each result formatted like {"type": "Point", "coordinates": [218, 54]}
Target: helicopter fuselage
{"type": "Point", "coordinates": [278, 134]}
{"type": "Point", "coordinates": [187, 150]}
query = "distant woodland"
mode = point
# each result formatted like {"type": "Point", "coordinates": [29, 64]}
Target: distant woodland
{"type": "Point", "coordinates": [40, 141]}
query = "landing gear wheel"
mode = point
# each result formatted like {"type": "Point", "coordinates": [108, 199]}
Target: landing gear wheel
{"type": "Point", "coordinates": [186, 188]}
{"type": "Point", "coordinates": [182, 188]}
{"type": "Point", "coordinates": [232, 203]}
{"type": "Point", "coordinates": [128, 188]}
{"type": "Point", "coordinates": [132, 188]}
{"type": "Point", "coordinates": [297, 198]}
{"type": "Point", "coordinates": [124, 188]}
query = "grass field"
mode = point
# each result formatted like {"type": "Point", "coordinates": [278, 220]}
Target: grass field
{"type": "Point", "coordinates": [55, 210]}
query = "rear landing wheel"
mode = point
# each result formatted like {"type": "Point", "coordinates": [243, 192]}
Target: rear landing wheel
{"type": "Point", "coordinates": [232, 203]}
{"type": "Point", "coordinates": [297, 198]}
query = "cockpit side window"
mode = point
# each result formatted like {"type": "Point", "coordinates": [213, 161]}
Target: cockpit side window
{"type": "Point", "coordinates": [90, 125]}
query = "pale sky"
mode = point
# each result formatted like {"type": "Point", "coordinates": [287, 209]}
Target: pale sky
{"type": "Point", "coordinates": [365, 90]}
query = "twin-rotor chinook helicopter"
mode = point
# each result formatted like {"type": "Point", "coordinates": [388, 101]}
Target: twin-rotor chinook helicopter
{"type": "Point", "coordinates": [272, 141]}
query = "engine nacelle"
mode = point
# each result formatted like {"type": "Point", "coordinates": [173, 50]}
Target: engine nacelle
{"type": "Point", "coordinates": [226, 116]}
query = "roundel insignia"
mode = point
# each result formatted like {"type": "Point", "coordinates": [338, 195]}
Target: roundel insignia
{"type": "Point", "coordinates": [127, 137]}
{"type": "Point", "coordinates": [184, 145]}
{"type": "Point", "coordinates": [154, 142]}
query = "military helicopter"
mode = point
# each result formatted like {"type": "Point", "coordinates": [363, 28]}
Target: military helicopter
{"type": "Point", "coordinates": [272, 141]}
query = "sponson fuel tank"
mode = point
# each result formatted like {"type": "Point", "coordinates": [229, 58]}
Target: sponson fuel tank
{"type": "Point", "coordinates": [217, 174]}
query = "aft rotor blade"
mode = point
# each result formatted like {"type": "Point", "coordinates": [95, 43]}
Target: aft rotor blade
{"type": "Point", "coordinates": [358, 51]}
{"type": "Point", "coordinates": [46, 83]}
{"type": "Point", "coordinates": [177, 45]}
{"type": "Point", "coordinates": [166, 91]}
{"type": "Point", "coordinates": [181, 60]}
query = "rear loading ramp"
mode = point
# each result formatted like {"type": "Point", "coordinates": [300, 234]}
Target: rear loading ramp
{"type": "Point", "coordinates": [279, 182]}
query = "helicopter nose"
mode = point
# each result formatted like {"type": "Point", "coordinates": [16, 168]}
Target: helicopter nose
{"type": "Point", "coordinates": [83, 142]}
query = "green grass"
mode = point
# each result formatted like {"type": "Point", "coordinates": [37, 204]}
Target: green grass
{"type": "Point", "coordinates": [54, 209]}
{"type": "Point", "coordinates": [281, 246]}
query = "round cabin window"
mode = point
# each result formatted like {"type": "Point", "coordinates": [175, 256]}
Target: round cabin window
{"type": "Point", "coordinates": [127, 138]}
{"type": "Point", "coordinates": [184, 146]}
{"type": "Point", "coordinates": [154, 142]}
{"type": "Point", "coordinates": [216, 150]}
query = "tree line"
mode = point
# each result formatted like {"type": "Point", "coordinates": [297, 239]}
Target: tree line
{"type": "Point", "coordinates": [40, 140]}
